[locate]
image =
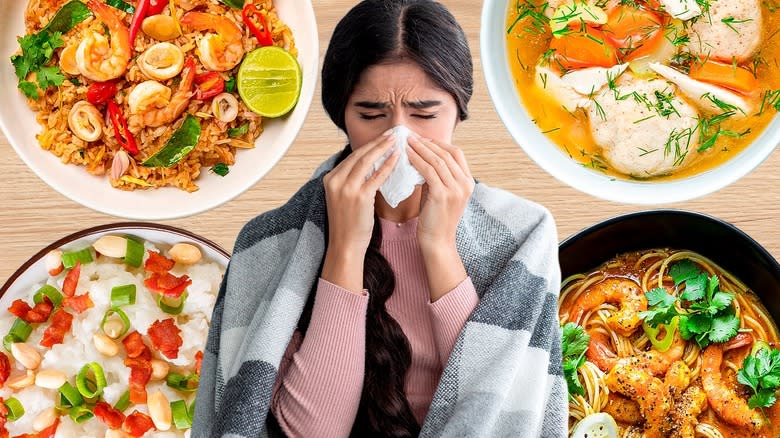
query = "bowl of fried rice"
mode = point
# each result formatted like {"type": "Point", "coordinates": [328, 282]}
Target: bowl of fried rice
{"type": "Point", "coordinates": [84, 317]}
{"type": "Point", "coordinates": [135, 108]}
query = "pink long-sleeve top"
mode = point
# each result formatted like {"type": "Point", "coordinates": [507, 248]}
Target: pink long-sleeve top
{"type": "Point", "coordinates": [320, 378]}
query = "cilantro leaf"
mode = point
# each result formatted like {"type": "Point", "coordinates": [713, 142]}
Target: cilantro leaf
{"type": "Point", "coordinates": [698, 323]}
{"type": "Point", "coordinates": [30, 89]}
{"type": "Point", "coordinates": [722, 300]}
{"type": "Point", "coordinates": [661, 308]}
{"type": "Point", "coordinates": [22, 66]}
{"type": "Point", "coordinates": [683, 271]}
{"type": "Point", "coordinates": [50, 76]}
{"type": "Point", "coordinates": [220, 169]}
{"type": "Point", "coordinates": [761, 373]}
{"type": "Point", "coordinates": [574, 344]}
{"type": "Point", "coordinates": [724, 328]}
{"type": "Point", "coordinates": [695, 288]}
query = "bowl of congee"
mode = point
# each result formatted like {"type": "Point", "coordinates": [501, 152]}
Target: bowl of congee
{"type": "Point", "coordinates": [646, 101]}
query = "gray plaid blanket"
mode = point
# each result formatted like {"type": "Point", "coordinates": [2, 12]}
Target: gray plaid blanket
{"type": "Point", "coordinates": [503, 377]}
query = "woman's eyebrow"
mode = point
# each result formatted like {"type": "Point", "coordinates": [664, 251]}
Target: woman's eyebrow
{"type": "Point", "coordinates": [418, 104]}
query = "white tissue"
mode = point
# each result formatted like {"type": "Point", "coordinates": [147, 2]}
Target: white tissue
{"type": "Point", "coordinates": [400, 184]}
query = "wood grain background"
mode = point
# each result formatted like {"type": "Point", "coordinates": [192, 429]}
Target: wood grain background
{"type": "Point", "coordinates": [33, 215]}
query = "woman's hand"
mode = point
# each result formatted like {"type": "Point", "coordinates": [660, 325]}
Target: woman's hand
{"type": "Point", "coordinates": [350, 195]}
{"type": "Point", "coordinates": [445, 194]}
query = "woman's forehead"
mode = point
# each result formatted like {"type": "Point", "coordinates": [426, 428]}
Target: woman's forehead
{"type": "Point", "coordinates": [399, 80]}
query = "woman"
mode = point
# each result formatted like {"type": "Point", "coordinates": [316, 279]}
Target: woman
{"type": "Point", "coordinates": [342, 316]}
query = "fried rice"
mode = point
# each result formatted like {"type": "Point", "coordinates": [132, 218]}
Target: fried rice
{"type": "Point", "coordinates": [214, 145]}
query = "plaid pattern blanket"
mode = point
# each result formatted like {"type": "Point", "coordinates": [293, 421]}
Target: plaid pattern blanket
{"type": "Point", "coordinates": [503, 377]}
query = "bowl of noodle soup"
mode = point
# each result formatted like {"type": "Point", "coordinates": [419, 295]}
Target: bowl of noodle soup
{"type": "Point", "coordinates": [635, 291]}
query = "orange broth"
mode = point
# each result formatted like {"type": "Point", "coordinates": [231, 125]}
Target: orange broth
{"type": "Point", "coordinates": [526, 43]}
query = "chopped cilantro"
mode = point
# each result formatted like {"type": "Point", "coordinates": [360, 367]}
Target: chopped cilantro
{"type": "Point", "coordinates": [575, 343]}
{"type": "Point", "coordinates": [761, 373]}
{"type": "Point", "coordinates": [230, 84]}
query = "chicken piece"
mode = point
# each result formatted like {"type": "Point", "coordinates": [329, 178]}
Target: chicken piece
{"type": "Point", "coordinates": [644, 128]}
{"type": "Point", "coordinates": [703, 94]}
{"type": "Point", "coordinates": [682, 9]}
{"type": "Point", "coordinates": [574, 89]}
{"type": "Point", "coordinates": [731, 29]}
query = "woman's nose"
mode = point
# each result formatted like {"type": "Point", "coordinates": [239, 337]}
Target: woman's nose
{"type": "Point", "coordinates": [398, 118]}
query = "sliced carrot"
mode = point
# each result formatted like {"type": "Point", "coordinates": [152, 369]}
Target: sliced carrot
{"type": "Point", "coordinates": [584, 49]}
{"type": "Point", "coordinates": [636, 32]}
{"type": "Point", "coordinates": [726, 75]}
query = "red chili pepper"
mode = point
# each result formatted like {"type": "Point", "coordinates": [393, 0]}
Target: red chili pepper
{"type": "Point", "coordinates": [100, 92]}
{"type": "Point", "coordinates": [209, 85]}
{"type": "Point", "coordinates": [141, 10]}
{"type": "Point", "coordinates": [263, 36]}
{"type": "Point", "coordinates": [156, 7]}
{"type": "Point", "coordinates": [121, 132]}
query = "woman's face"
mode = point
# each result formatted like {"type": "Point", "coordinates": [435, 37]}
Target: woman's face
{"type": "Point", "coordinates": [399, 93]}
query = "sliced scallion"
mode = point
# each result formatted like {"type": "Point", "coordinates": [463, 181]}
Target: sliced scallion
{"type": "Point", "coordinates": [50, 292]}
{"type": "Point", "coordinates": [181, 415]}
{"type": "Point", "coordinates": [171, 305]}
{"type": "Point", "coordinates": [123, 402]}
{"type": "Point", "coordinates": [122, 317]}
{"type": "Point", "coordinates": [15, 409]}
{"type": "Point", "coordinates": [70, 258]}
{"type": "Point", "coordinates": [91, 386]}
{"type": "Point", "coordinates": [80, 414]}
{"type": "Point", "coordinates": [183, 383]}
{"type": "Point", "coordinates": [69, 396]}
{"type": "Point", "coordinates": [191, 410]}
{"type": "Point", "coordinates": [123, 295]}
{"type": "Point", "coordinates": [134, 254]}
{"type": "Point", "coordinates": [19, 332]}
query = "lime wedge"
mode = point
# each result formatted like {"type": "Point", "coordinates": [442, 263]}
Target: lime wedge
{"type": "Point", "coordinates": [269, 81]}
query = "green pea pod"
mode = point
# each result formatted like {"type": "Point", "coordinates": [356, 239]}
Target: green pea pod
{"type": "Point", "coordinates": [237, 4]}
{"type": "Point", "coordinates": [181, 143]}
{"type": "Point", "coordinates": [71, 14]}
{"type": "Point", "coordinates": [666, 342]}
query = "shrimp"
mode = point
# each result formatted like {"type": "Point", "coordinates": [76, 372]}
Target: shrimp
{"type": "Point", "coordinates": [623, 410]}
{"type": "Point", "coordinates": [659, 362]}
{"type": "Point", "coordinates": [724, 400]}
{"type": "Point", "coordinates": [622, 291]}
{"type": "Point", "coordinates": [678, 377]}
{"type": "Point", "coordinates": [221, 51]}
{"type": "Point", "coordinates": [149, 105]}
{"type": "Point", "coordinates": [96, 58]}
{"type": "Point", "coordinates": [650, 393]}
{"type": "Point", "coordinates": [599, 351]}
{"type": "Point", "coordinates": [686, 410]}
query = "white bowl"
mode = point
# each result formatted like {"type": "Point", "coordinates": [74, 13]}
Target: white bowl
{"type": "Point", "coordinates": [18, 123]}
{"type": "Point", "coordinates": [551, 158]}
{"type": "Point", "coordinates": [33, 271]}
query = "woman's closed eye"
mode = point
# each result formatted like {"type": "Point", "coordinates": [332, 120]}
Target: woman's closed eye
{"type": "Point", "coordinates": [371, 116]}
{"type": "Point", "coordinates": [425, 116]}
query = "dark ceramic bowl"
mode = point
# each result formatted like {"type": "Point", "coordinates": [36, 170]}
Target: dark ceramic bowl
{"type": "Point", "coordinates": [717, 240]}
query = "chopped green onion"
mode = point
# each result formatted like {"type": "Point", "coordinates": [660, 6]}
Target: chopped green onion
{"type": "Point", "coordinates": [50, 292]}
{"type": "Point", "coordinates": [122, 316]}
{"type": "Point", "coordinates": [19, 332]}
{"type": "Point", "coordinates": [134, 255]}
{"type": "Point", "coordinates": [91, 388]}
{"type": "Point", "coordinates": [15, 409]}
{"type": "Point", "coordinates": [230, 84]}
{"type": "Point", "coordinates": [80, 414]}
{"type": "Point", "coordinates": [69, 396]}
{"type": "Point", "coordinates": [123, 295]}
{"type": "Point", "coordinates": [183, 383]}
{"type": "Point", "coordinates": [123, 402]}
{"type": "Point", "coordinates": [220, 169]}
{"type": "Point", "coordinates": [181, 416]}
{"type": "Point", "coordinates": [191, 410]}
{"type": "Point", "coordinates": [70, 258]}
{"type": "Point", "coordinates": [170, 305]}
{"type": "Point", "coordinates": [122, 6]}
{"type": "Point", "coordinates": [238, 131]}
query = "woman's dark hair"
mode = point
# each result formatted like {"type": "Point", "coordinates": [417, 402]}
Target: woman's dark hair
{"type": "Point", "coordinates": [376, 32]}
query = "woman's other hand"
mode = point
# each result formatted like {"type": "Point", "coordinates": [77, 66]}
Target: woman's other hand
{"type": "Point", "coordinates": [349, 196]}
{"type": "Point", "coordinates": [445, 194]}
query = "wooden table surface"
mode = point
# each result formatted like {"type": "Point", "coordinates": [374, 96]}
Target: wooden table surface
{"type": "Point", "coordinates": [33, 215]}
